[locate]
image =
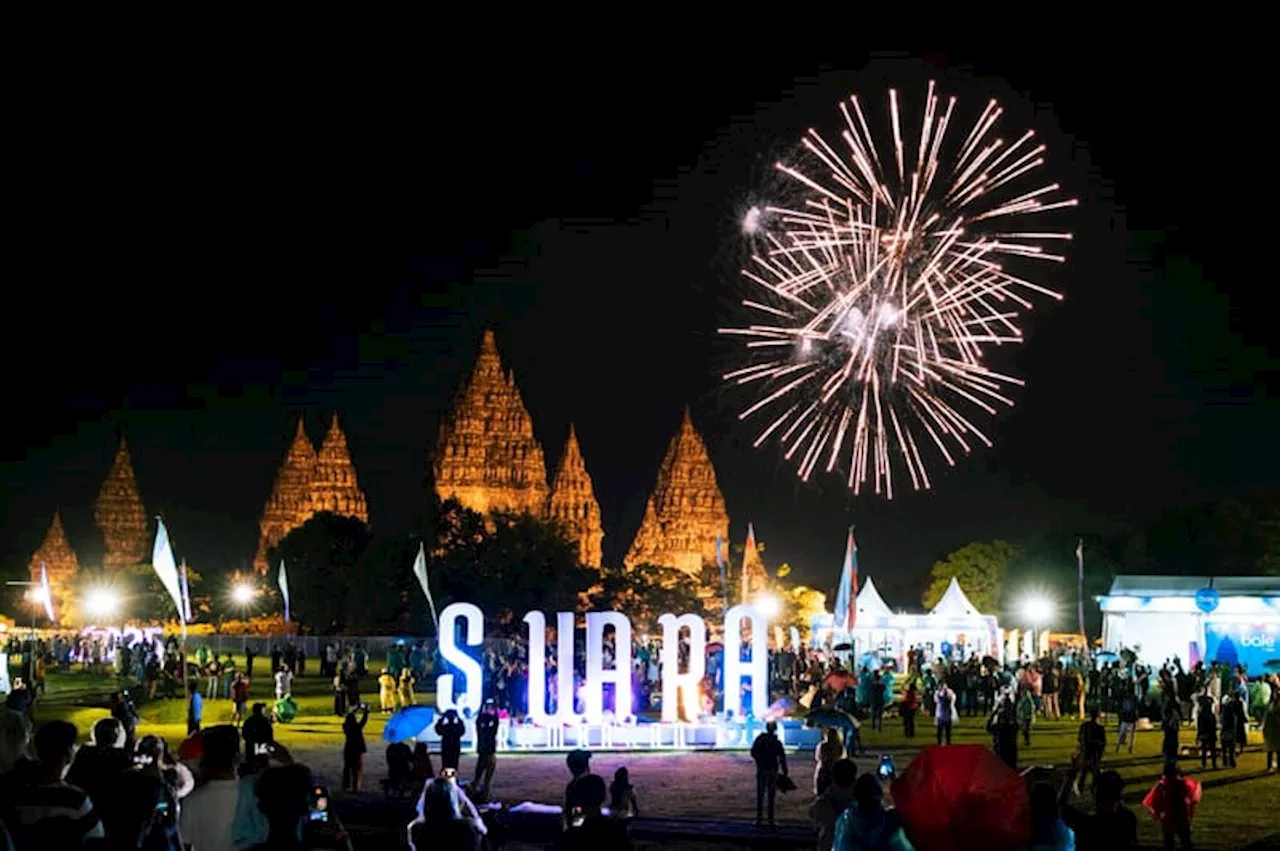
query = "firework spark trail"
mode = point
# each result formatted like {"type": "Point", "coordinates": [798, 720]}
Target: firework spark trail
{"type": "Point", "coordinates": [879, 290]}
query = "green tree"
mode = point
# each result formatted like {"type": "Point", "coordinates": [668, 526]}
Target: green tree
{"type": "Point", "coordinates": [511, 562]}
{"type": "Point", "coordinates": [980, 569]}
{"type": "Point", "coordinates": [321, 557]}
{"type": "Point", "coordinates": [144, 597]}
{"type": "Point", "coordinates": [646, 592]}
{"type": "Point", "coordinates": [800, 604]}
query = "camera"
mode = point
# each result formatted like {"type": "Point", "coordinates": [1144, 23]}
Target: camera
{"type": "Point", "coordinates": [449, 773]}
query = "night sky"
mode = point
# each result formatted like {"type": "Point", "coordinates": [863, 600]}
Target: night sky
{"type": "Point", "coordinates": [200, 258]}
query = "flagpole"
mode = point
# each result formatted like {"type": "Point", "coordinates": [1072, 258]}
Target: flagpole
{"type": "Point", "coordinates": [182, 638]}
{"type": "Point", "coordinates": [1080, 591]}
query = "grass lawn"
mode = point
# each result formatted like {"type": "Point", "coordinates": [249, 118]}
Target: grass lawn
{"type": "Point", "coordinates": [1239, 807]}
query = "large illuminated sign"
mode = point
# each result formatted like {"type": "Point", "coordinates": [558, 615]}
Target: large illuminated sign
{"type": "Point", "coordinates": [687, 684]}
{"type": "Point", "coordinates": [606, 722]}
{"type": "Point", "coordinates": [756, 670]}
{"type": "Point", "coordinates": [460, 659]}
{"type": "Point", "coordinates": [597, 675]}
{"type": "Point", "coordinates": [538, 669]}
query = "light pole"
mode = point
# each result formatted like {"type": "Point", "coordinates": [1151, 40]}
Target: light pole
{"type": "Point", "coordinates": [1038, 610]}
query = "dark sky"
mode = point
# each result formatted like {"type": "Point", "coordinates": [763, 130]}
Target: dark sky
{"type": "Point", "coordinates": [200, 256]}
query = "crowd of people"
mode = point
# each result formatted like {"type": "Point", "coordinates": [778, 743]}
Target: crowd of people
{"type": "Point", "coordinates": [1218, 703]}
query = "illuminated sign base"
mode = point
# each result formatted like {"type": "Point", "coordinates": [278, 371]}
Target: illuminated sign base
{"type": "Point", "coordinates": [713, 734]}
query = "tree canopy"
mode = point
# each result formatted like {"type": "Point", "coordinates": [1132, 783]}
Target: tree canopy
{"type": "Point", "coordinates": [515, 562]}
{"type": "Point", "coordinates": [980, 569]}
{"type": "Point", "coordinates": [321, 557]}
{"type": "Point", "coordinates": [646, 592]}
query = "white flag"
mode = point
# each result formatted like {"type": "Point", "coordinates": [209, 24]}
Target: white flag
{"type": "Point", "coordinates": [284, 590]}
{"type": "Point", "coordinates": [420, 571]}
{"type": "Point", "coordinates": [167, 569]}
{"type": "Point", "coordinates": [46, 595]}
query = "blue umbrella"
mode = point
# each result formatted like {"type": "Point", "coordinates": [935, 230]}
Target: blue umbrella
{"type": "Point", "coordinates": [1107, 656]}
{"type": "Point", "coordinates": [408, 723]}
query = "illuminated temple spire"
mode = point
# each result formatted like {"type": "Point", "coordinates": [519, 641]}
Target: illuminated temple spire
{"type": "Point", "coordinates": [686, 512]}
{"type": "Point", "coordinates": [334, 486]}
{"type": "Point", "coordinates": [119, 515]}
{"type": "Point", "coordinates": [59, 559]}
{"type": "Point", "coordinates": [573, 503]}
{"type": "Point", "coordinates": [289, 506]}
{"type": "Point", "coordinates": [486, 454]}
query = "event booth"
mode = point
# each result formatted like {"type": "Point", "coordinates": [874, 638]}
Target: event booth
{"type": "Point", "coordinates": [1229, 619]}
{"type": "Point", "coordinates": [953, 628]}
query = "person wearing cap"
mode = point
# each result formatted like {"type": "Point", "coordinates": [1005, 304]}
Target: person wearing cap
{"type": "Point", "coordinates": [579, 763]}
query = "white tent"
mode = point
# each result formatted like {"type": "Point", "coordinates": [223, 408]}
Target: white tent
{"type": "Point", "coordinates": [954, 604]}
{"type": "Point", "coordinates": [870, 604]}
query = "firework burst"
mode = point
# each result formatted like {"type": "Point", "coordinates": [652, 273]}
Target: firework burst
{"type": "Point", "coordinates": [877, 292]}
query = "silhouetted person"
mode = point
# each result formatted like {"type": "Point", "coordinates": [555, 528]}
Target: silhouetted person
{"type": "Point", "coordinates": [771, 760]}
{"type": "Point", "coordinates": [449, 727]}
{"type": "Point", "coordinates": [354, 748]}
{"type": "Point", "coordinates": [486, 745]}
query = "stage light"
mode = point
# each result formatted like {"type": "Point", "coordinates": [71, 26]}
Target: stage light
{"type": "Point", "coordinates": [243, 593]}
{"type": "Point", "coordinates": [101, 602]}
{"type": "Point", "coordinates": [1037, 610]}
{"type": "Point", "coordinates": [768, 605]}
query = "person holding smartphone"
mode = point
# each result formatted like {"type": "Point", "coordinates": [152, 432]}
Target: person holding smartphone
{"type": "Point", "coordinates": [354, 749]}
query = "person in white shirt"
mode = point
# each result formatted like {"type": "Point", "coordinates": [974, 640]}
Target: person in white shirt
{"type": "Point", "coordinates": [284, 682]}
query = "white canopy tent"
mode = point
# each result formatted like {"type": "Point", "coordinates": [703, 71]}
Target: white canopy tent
{"type": "Point", "coordinates": [954, 625]}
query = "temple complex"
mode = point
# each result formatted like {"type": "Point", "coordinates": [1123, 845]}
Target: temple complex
{"type": "Point", "coordinates": [686, 512]}
{"type": "Point", "coordinates": [334, 487]}
{"type": "Point", "coordinates": [573, 503]}
{"type": "Point", "coordinates": [486, 455]}
{"type": "Point", "coordinates": [287, 507]}
{"type": "Point", "coordinates": [488, 458]}
{"type": "Point", "coordinates": [119, 515]}
{"type": "Point", "coordinates": [309, 482]}
{"type": "Point", "coordinates": [57, 557]}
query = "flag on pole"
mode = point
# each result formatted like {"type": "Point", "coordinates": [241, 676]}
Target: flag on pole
{"type": "Point", "coordinates": [165, 567]}
{"type": "Point", "coordinates": [1080, 585]}
{"type": "Point", "coordinates": [724, 576]}
{"type": "Point", "coordinates": [186, 592]}
{"type": "Point", "coordinates": [847, 593]}
{"type": "Point", "coordinates": [46, 596]}
{"type": "Point", "coordinates": [749, 557]}
{"type": "Point", "coordinates": [283, 581]}
{"type": "Point", "coordinates": [420, 571]}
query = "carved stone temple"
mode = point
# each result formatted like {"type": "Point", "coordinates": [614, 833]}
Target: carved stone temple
{"type": "Point", "coordinates": [686, 511]}
{"type": "Point", "coordinates": [573, 502]}
{"type": "Point", "coordinates": [119, 515]}
{"type": "Point", "coordinates": [57, 557]}
{"type": "Point", "coordinates": [488, 458]}
{"type": "Point", "coordinates": [309, 482]}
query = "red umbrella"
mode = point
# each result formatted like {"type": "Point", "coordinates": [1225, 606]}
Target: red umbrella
{"type": "Point", "coordinates": [962, 797]}
{"type": "Point", "coordinates": [192, 747]}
